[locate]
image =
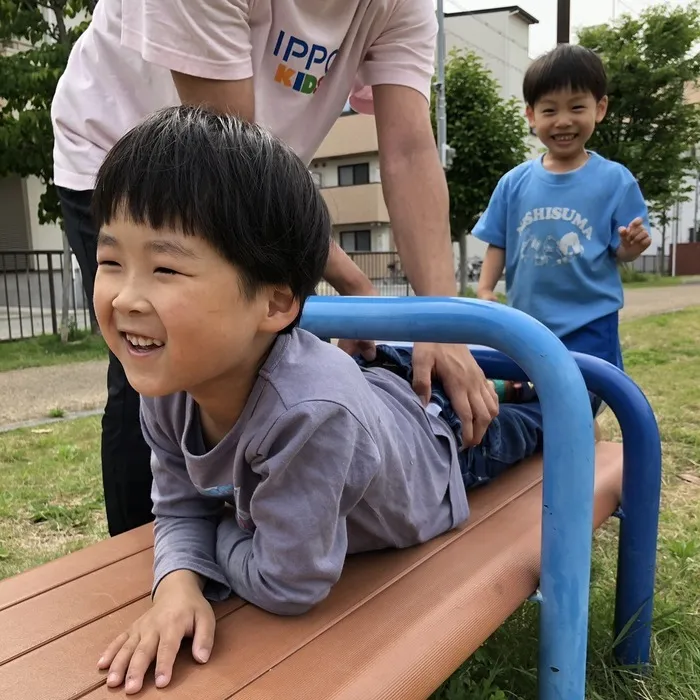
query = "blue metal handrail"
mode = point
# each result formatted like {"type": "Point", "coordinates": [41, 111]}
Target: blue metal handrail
{"type": "Point", "coordinates": [641, 493]}
{"type": "Point", "coordinates": [567, 507]}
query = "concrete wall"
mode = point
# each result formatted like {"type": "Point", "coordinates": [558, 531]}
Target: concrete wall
{"type": "Point", "coordinates": [500, 38]}
{"type": "Point", "coordinates": [44, 236]}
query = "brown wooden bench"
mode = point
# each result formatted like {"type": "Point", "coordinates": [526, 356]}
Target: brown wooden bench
{"type": "Point", "coordinates": [396, 625]}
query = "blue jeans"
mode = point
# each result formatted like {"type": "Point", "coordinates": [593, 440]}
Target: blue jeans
{"type": "Point", "coordinates": [511, 437]}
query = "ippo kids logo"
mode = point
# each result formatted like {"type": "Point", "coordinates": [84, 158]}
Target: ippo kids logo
{"type": "Point", "coordinates": [316, 55]}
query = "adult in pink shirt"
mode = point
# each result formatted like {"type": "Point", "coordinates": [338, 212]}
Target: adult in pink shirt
{"type": "Point", "coordinates": [289, 65]}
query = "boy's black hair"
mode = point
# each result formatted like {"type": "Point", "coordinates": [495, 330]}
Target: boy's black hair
{"type": "Point", "coordinates": [228, 182]}
{"type": "Point", "coordinates": [569, 66]}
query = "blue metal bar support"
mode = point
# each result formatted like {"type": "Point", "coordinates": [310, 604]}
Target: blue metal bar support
{"type": "Point", "coordinates": [567, 508]}
{"type": "Point", "coordinates": [641, 492]}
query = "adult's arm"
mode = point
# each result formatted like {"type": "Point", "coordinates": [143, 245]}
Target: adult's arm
{"type": "Point", "coordinates": [415, 189]}
{"type": "Point", "coordinates": [206, 46]}
{"type": "Point", "coordinates": [395, 85]}
{"type": "Point", "coordinates": [398, 68]}
{"type": "Point", "coordinates": [225, 96]}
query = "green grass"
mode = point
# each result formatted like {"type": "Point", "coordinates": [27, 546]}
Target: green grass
{"type": "Point", "coordinates": [45, 350]}
{"type": "Point", "coordinates": [662, 353]}
{"type": "Point", "coordinates": [653, 281]}
{"type": "Point", "coordinates": [471, 294]}
{"type": "Point", "coordinates": [51, 498]}
{"type": "Point", "coordinates": [633, 279]}
{"type": "Point", "coordinates": [51, 504]}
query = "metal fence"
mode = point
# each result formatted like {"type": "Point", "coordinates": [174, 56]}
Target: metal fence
{"type": "Point", "coordinates": [31, 294]}
{"type": "Point", "coordinates": [31, 289]}
{"type": "Point", "coordinates": [649, 264]}
{"type": "Point", "coordinates": [384, 271]}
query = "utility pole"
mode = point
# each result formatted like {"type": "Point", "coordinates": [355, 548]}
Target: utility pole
{"type": "Point", "coordinates": [563, 21]}
{"type": "Point", "coordinates": [696, 235]}
{"type": "Point", "coordinates": [441, 116]}
{"type": "Point", "coordinates": [675, 237]}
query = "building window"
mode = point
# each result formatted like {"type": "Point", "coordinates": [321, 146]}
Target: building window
{"type": "Point", "coordinates": [356, 241]}
{"type": "Point", "coordinates": [316, 177]}
{"type": "Point", "coordinates": [353, 174]}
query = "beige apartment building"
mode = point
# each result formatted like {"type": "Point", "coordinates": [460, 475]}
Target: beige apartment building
{"type": "Point", "coordinates": [346, 166]}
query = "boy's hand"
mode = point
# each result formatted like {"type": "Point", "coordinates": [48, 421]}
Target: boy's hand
{"type": "Point", "coordinates": [634, 240]}
{"type": "Point", "coordinates": [179, 610]}
{"type": "Point", "coordinates": [486, 295]}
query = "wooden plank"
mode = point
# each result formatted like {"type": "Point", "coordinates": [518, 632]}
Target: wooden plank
{"type": "Point", "coordinates": [57, 612]}
{"type": "Point", "coordinates": [66, 668]}
{"type": "Point", "coordinates": [418, 631]}
{"type": "Point", "coordinates": [435, 618]}
{"type": "Point", "coordinates": [60, 571]}
{"type": "Point", "coordinates": [251, 642]}
{"type": "Point", "coordinates": [339, 649]}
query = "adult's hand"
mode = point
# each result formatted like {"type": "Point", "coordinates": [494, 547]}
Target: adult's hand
{"type": "Point", "coordinates": [472, 396]}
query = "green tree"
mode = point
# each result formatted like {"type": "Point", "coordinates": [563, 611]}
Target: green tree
{"type": "Point", "coordinates": [488, 134]}
{"type": "Point", "coordinates": [651, 128]}
{"type": "Point", "coordinates": [37, 36]}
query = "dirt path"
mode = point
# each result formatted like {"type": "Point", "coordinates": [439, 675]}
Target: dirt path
{"type": "Point", "coordinates": [658, 300]}
{"type": "Point", "coordinates": [35, 392]}
{"type": "Point", "coordinates": [29, 394]}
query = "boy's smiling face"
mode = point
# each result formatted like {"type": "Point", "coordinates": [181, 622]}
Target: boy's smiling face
{"type": "Point", "coordinates": [565, 120]}
{"type": "Point", "coordinates": [175, 314]}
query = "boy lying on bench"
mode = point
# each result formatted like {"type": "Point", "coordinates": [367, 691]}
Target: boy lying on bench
{"type": "Point", "coordinates": [212, 236]}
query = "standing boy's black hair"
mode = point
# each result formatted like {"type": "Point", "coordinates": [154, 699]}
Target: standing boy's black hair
{"type": "Point", "coordinates": [226, 181]}
{"type": "Point", "coordinates": [569, 66]}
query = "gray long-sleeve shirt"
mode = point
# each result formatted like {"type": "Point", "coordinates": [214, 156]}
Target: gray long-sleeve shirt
{"type": "Point", "coordinates": [325, 460]}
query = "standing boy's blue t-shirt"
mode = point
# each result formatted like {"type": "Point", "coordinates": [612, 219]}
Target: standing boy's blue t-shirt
{"type": "Point", "coordinates": [560, 235]}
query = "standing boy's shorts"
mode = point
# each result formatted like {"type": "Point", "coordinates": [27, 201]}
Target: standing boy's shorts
{"type": "Point", "coordinates": [600, 338]}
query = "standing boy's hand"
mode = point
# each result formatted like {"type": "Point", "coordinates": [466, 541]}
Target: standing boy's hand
{"type": "Point", "coordinates": [634, 240]}
{"type": "Point", "coordinates": [179, 610]}
{"type": "Point", "coordinates": [486, 295]}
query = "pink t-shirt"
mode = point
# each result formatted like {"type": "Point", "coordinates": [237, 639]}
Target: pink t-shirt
{"type": "Point", "coordinates": [306, 57]}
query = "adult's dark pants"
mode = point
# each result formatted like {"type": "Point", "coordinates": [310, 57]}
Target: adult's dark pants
{"type": "Point", "coordinates": [126, 469]}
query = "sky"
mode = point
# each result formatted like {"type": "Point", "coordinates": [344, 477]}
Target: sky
{"type": "Point", "coordinates": [583, 13]}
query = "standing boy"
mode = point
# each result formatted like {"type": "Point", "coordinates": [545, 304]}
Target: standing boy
{"type": "Point", "coordinates": [561, 223]}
